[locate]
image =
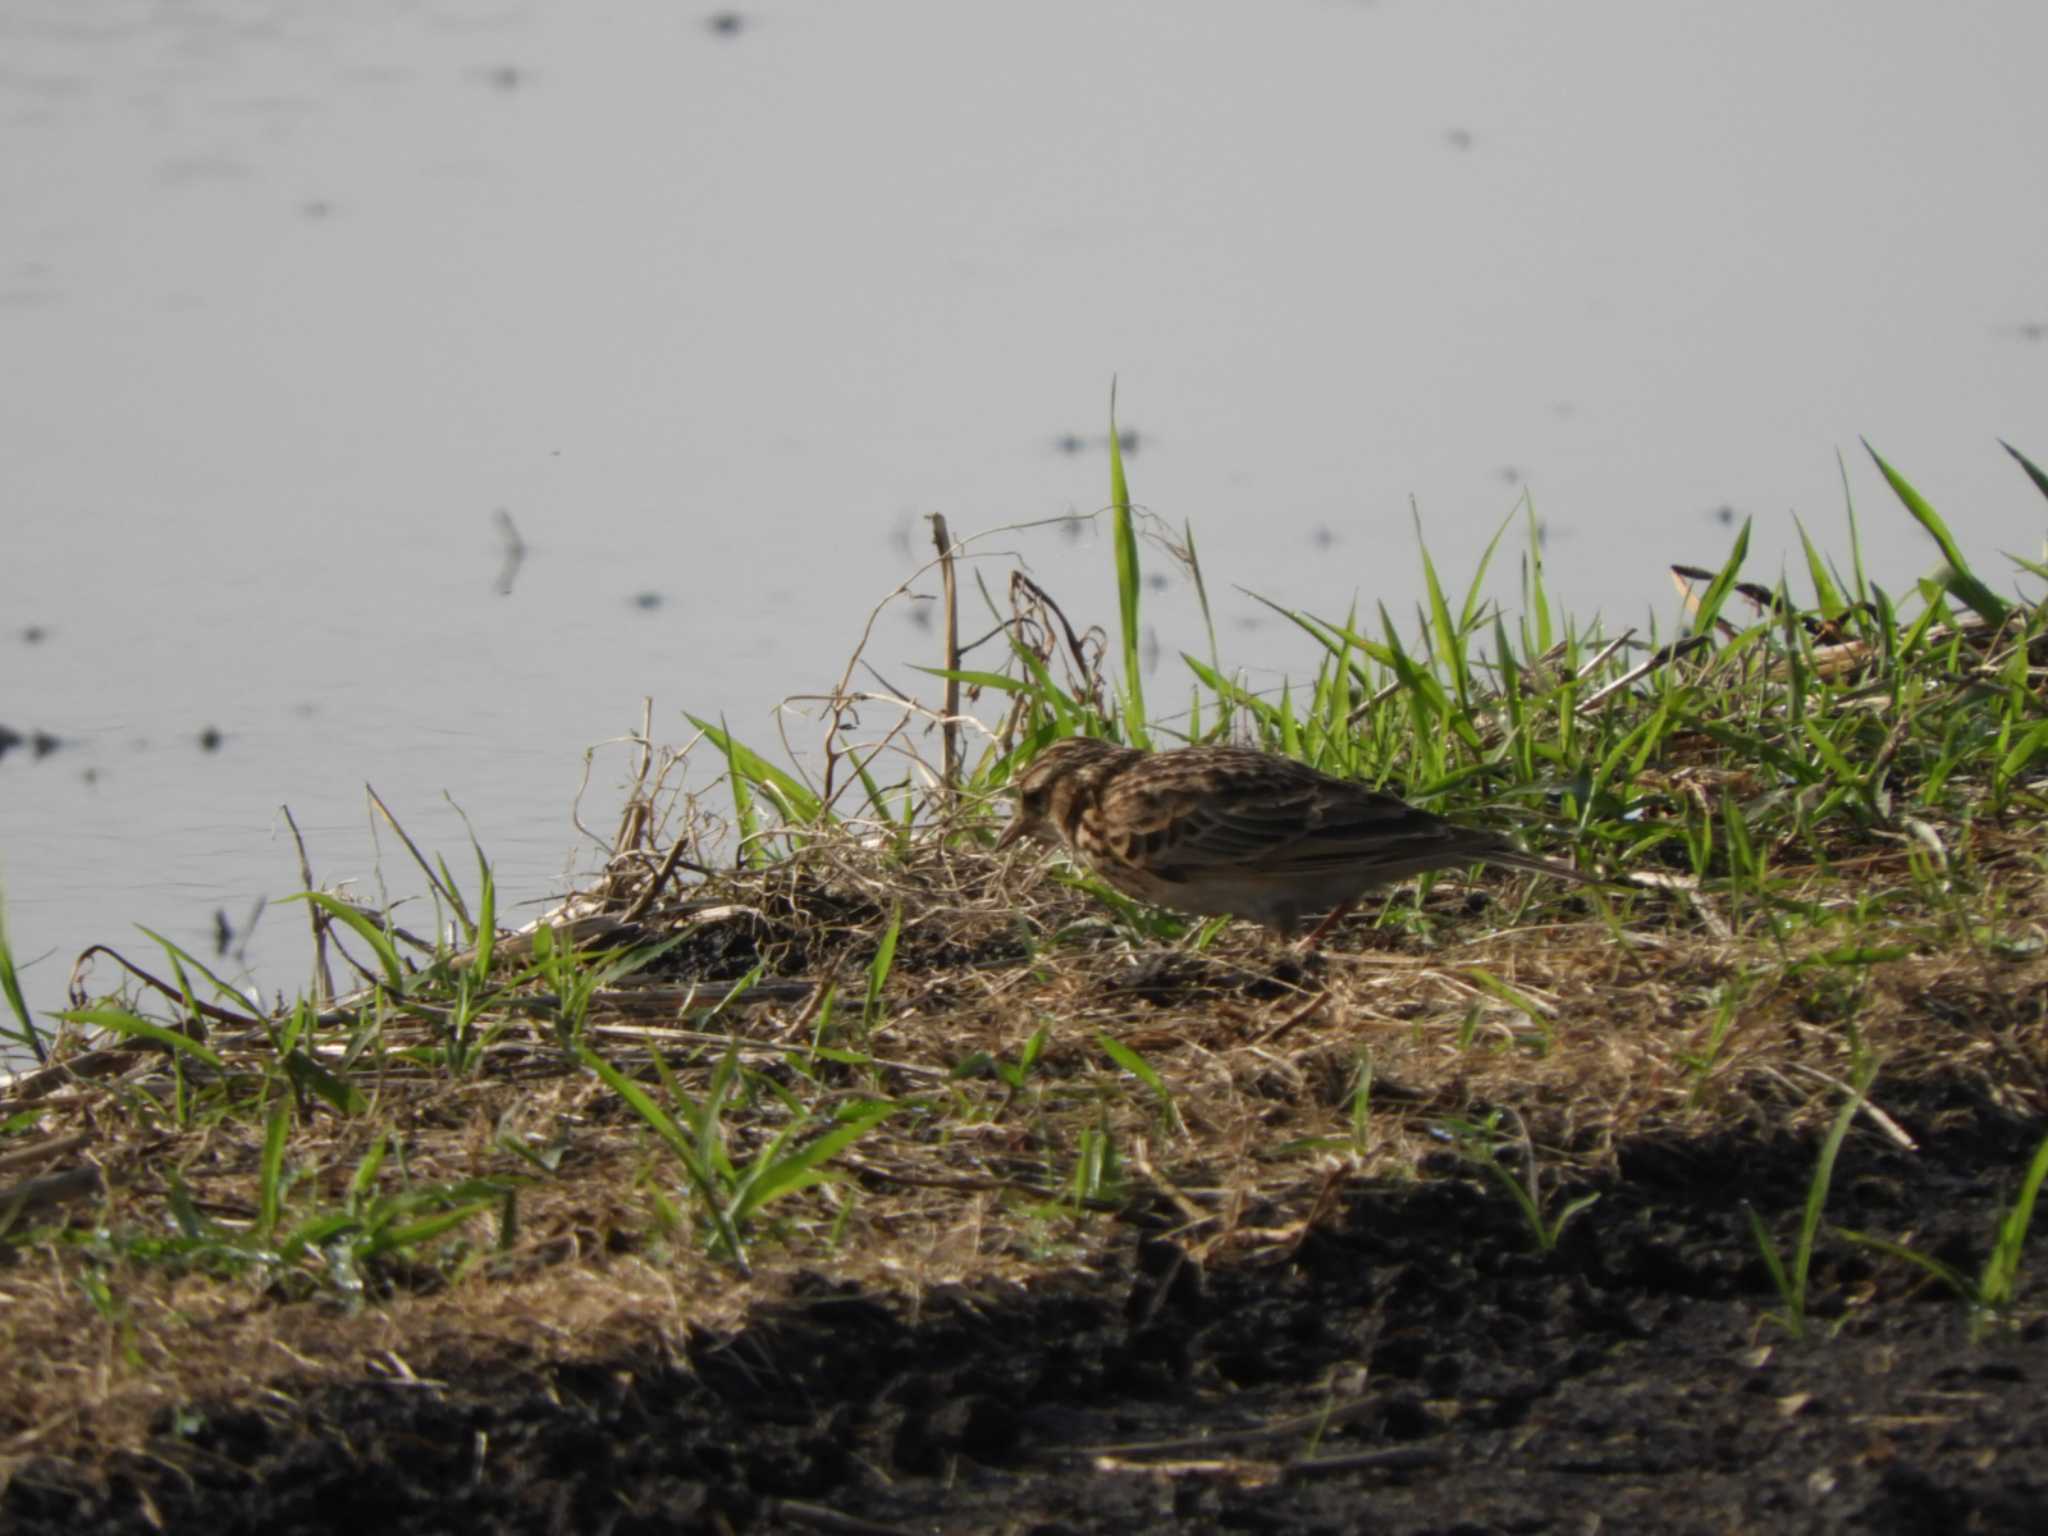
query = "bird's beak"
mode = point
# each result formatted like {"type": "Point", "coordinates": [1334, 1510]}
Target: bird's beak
{"type": "Point", "coordinates": [1011, 833]}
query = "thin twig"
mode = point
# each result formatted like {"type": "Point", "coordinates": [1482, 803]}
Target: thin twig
{"type": "Point", "coordinates": [56, 1147]}
{"type": "Point", "coordinates": [1402, 1458]}
{"type": "Point", "coordinates": [19, 1089]}
{"type": "Point", "coordinates": [1892, 1130]}
{"type": "Point", "coordinates": [175, 994]}
{"type": "Point", "coordinates": [323, 974]}
{"type": "Point", "coordinates": [820, 1518]}
{"type": "Point", "coordinates": [638, 812]}
{"type": "Point", "coordinates": [832, 730]}
{"type": "Point", "coordinates": [639, 905]}
{"type": "Point", "coordinates": [1290, 1428]}
{"type": "Point", "coordinates": [1295, 1015]}
{"type": "Point", "coordinates": [434, 880]}
{"type": "Point", "coordinates": [764, 1047]}
{"type": "Point", "coordinates": [1664, 656]}
{"type": "Point", "coordinates": [72, 1184]}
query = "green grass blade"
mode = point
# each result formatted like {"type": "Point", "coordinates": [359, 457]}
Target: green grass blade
{"type": "Point", "coordinates": [711, 1153]}
{"type": "Point", "coordinates": [486, 915]}
{"type": "Point", "coordinates": [1824, 1174]}
{"type": "Point", "coordinates": [746, 822]}
{"type": "Point", "coordinates": [1947, 1274]}
{"type": "Point", "coordinates": [378, 940]}
{"type": "Point", "coordinates": [1513, 996]}
{"type": "Point", "coordinates": [190, 1221]}
{"type": "Point", "coordinates": [2033, 470]}
{"type": "Point", "coordinates": [800, 1169]}
{"type": "Point", "coordinates": [364, 1180]}
{"type": "Point", "coordinates": [183, 957]}
{"type": "Point", "coordinates": [308, 1076]}
{"type": "Point", "coordinates": [1230, 693]}
{"type": "Point", "coordinates": [1429, 706]}
{"type": "Point", "coordinates": [879, 968]}
{"type": "Point", "coordinates": [643, 1105]}
{"type": "Point", "coordinates": [1845, 773]}
{"type": "Point", "coordinates": [1131, 1062]}
{"type": "Point", "coordinates": [411, 1235]}
{"type": "Point", "coordinates": [26, 1034]}
{"type": "Point", "coordinates": [1450, 646]}
{"type": "Point", "coordinates": [122, 1022]}
{"type": "Point", "coordinates": [1144, 1072]}
{"type": "Point", "coordinates": [1069, 713]}
{"type": "Point", "coordinates": [1571, 1208]}
{"type": "Point", "coordinates": [1469, 614]}
{"type": "Point", "coordinates": [2002, 1267]}
{"type": "Point", "coordinates": [463, 921]}
{"type": "Point", "coordinates": [1535, 596]}
{"type": "Point", "coordinates": [802, 802]}
{"type": "Point", "coordinates": [2023, 752]}
{"type": "Point", "coordinates": [996, 682]}
{"type": "Point", "coordinates": [1127, 584]}
{"type": "Point", "coordinates": [1855, 533]}
{"type": "Point", "coordinates": [297, 1027]}
{"type": "Point", "coordinates": [1794, 1303]}
{"type": "Point", "coordinates": [270, 1171]}
{"type": "Point", "coordinates": [1959, 579]}
{"type": "Point", "coordinates": [315, 1232]}
{"type": "Point", "coordinates": [1826, 596]}
{"type": "Point", "coordinates": [1532, 1213]}
{"type": "Point", "coordinates": [1722, 584]}
{"type": "Point", "coordinates": [1202, 598]}
{"type": "Point", "coordinates": [625, 963]}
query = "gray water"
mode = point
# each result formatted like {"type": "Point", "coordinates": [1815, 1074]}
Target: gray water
{"type": "Point", "coordinates": [294, 298]}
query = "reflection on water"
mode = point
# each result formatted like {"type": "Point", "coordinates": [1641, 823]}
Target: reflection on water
{"type": "Point", "coordinates": [397, 394]}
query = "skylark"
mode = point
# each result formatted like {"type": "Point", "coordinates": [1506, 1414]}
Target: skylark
{"type": "Point", "coordinates": [1217, 830]}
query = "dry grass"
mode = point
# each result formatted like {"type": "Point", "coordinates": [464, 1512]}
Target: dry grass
{"type": "Point", "coordinates": [1588, 1031]}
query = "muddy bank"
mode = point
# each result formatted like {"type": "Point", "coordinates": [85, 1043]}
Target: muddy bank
{"type": "Point", "coordinates": [1410, 1365]}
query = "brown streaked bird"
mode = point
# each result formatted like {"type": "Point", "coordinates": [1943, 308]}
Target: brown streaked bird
{"type": "Point", "coordinates": [1231, 830]}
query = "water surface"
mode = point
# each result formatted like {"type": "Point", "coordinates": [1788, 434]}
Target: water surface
{"type": "Point", "coordinates": [296, 297]}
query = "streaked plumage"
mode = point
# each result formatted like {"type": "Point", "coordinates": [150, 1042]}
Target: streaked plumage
{"type": "Point", "coordinates": [1216, 830]}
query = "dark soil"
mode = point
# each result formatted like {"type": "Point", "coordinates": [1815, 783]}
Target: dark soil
{"type": "Point", "coordinates": [1628, 1382]}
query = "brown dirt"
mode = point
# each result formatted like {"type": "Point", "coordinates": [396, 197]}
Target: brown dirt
{"type": "Point", "coordinates": [1284, 1324]}
{"type": "Point", "coordinates": [1410, 1365]}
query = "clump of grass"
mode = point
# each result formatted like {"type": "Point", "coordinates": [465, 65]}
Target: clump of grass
{"type": "Point", "coordinates": [732, 1193]}
{"type": "Point", "coordinates": [1829, 805]}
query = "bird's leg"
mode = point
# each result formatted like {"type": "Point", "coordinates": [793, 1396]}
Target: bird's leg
{"type": "Point", "coordinates": [1308, 944]}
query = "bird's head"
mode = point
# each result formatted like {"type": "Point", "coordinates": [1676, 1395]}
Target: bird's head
{"type": "Point", "coordinates": [1058, 784]}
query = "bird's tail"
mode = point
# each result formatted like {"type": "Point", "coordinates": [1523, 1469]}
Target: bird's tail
{"type": "Point", "coordinates": [1530, 864]}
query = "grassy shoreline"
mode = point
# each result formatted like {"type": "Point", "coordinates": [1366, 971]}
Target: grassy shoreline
{"type": "Point", "coordinates": [823, 1028]}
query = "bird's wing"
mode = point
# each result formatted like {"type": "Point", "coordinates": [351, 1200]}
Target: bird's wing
{"type": "Point", "coordinates": [1368, 830]}
{"type": "Point", "coordinates": [1281, 824]}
